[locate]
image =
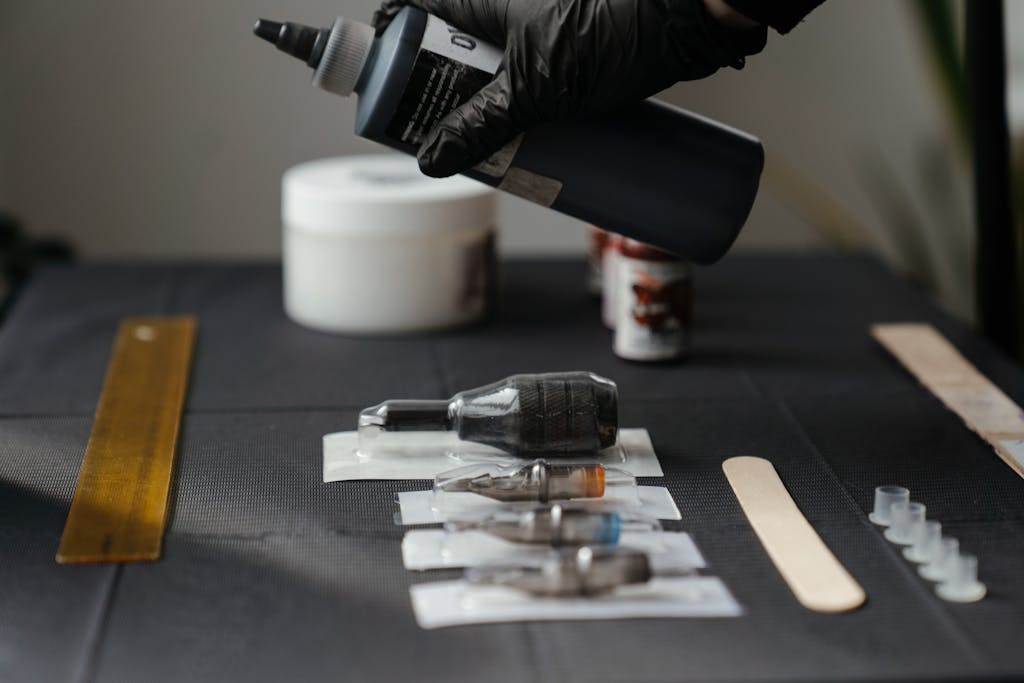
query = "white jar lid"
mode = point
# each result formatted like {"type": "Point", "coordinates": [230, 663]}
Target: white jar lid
{"type": "Point", "coordinates": [382, 195]}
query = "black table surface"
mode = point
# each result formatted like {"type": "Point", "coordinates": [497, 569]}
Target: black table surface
{"type": "Point", "coordinates": [269, 574]}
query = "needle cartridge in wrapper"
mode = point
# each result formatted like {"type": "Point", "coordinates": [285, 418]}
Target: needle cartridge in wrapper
{"type": "Point", "coordinates": [558, 524]}
{"type": "Point", "coordinates": [538, 481]}
{"type": "Point", "coordinates": [582, 571]}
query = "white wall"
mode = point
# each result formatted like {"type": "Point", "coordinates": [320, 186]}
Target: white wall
{"type": "Point", "coordinates": [162, 129]}
{"type": "Point", "coordinates": [1015, 22]}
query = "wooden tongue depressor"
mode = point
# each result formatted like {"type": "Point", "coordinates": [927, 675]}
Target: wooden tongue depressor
{"type": "Point", "coordinates": [943, 371]}
{"type": "Point", "coordinates": [119, 510]}
{"type": "Point", "coordinates": [813, 573]}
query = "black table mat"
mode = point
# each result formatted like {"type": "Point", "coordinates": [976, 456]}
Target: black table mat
{"type": "Point", "coordinates": [269, 574]}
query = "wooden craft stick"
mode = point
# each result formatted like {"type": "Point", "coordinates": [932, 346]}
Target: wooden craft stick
{"type": "Point", "coordinates": [813, 573]}
{"type": "Point", "coordinates": [943, 371]}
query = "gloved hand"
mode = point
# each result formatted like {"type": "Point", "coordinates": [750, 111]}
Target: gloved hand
{"type": "Point", "coordinates": [570, 58]}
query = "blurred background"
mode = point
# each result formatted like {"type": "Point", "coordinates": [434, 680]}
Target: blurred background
{"type": "Point", "coordinates": [139, 129]}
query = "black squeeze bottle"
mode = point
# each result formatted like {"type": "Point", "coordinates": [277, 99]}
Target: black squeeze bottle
{"type": "Point", "coordinates": [649, 171]}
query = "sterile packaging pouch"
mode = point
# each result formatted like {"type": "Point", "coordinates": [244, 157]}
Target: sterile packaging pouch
{"type": "Point", "coordinates": [424, 549]}
{"type": "Point", "coordinates": [581, 583]}
{"type": "Point", "coordinates": [557, 524]}
{"type": "Point", "coordinates": [429, 454]}
{"type": "Point", "coordinates": [480, 489]}
{"type": "Point", "coordinates": [456, 603]}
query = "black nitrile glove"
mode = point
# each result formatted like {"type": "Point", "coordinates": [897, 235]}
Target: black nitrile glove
{"type": "Point", "coordinates": [570, 58]}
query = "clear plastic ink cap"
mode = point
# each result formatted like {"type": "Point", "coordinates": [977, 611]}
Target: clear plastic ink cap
{"type": "Point", "coordinates": [961, 582]}
{"type": "Point", "coordinates": [885, 496]}
{"type": "Point", "coordinates": [928, 536]}
{"type": "Point", "coordinates": [905, 521]}
{"type": "Point", "coordinates": [943, 556]}
{"type": "Point", "coordinates": [537, 481]}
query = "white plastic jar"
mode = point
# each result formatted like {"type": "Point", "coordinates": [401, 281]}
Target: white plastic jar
{"type": "Point", "coordinates": [373, 246]}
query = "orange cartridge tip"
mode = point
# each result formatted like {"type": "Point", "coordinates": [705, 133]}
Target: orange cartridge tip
{"type": "Point", "coordinates": [594, 481]}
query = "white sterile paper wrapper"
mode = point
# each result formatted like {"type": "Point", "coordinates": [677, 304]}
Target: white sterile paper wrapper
{"type": "Point", "coordinates": [634, 453]}
{"type": "Point", "coordinates": [422, 507]}
{"type": "Point", "coordinates": [437, 549]}
{"type": "Point", "coordinates": [456, 603]}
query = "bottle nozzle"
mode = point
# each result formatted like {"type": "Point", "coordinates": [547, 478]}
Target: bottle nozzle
{"type": "Point", "coordinates": [268, 30]}
{"type": "Point", "coordinates": [300, 41]}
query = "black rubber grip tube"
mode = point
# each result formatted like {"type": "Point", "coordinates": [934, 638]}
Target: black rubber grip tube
{"type": "Point", "coordinates": [554, 414]}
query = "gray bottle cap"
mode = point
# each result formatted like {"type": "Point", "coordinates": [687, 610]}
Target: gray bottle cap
{"type": "Point", "coordinates": [344, 57]}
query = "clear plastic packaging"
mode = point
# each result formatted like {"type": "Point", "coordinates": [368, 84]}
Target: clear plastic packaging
{"type": "Point", "coordinates": [905, 523]}
{"type": "Point", "coordinates": [925, 541]}
{"type": "Point", "coordinates": [538, 482]}
{"type": "Point", "coordinates": [438, 507]}
{"type": "Point", "coordinates": [425, 549]}
{"type": "Point", "coordinates": [633, 453]}
{"type": "Point", "coordinates": [554, 414]}
{"type": "Point", "coordinates": [582, 571]}
{"type": "Point", "coordinates": [439, 604]}
{"type": "Point", "coordinates": [885, 496]}
{"type": "Point", "coordinates": [556, 525]}
{"type": "Point", "coordinates": [944, 554]}
{"type": "Point", "coordinates": [961, 583]}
